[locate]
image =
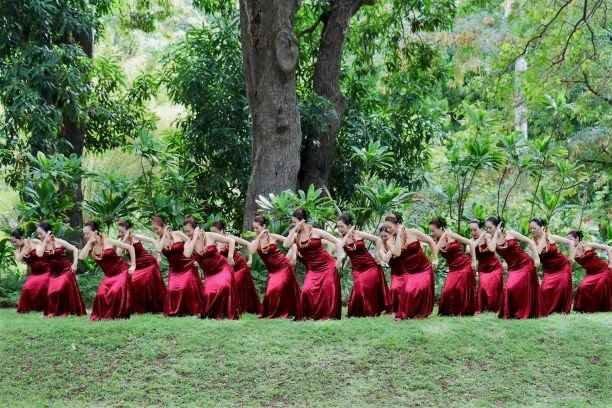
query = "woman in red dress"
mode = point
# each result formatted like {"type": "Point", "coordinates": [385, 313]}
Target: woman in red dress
{"type": "Point", "coordinates": [282, 297]}
{"type": "Point", "coordinates": [594, 293]}
{"type": "Point", "coordinates": [412, 274]}
{"type": "Point", "coordinates": [520, 298]}
{"type": "Point", "coordinates": [184, 292]}
{"type": "Point", "coordinates": [321, 295]}
{"type": "Point", "coordinates": [556, 285]}
{"type": "Point", "coordinates": [63, 294]}
{"type": "Point", "coordinates": [246, 293]}
{"type": "Point", "coordinates": [219, 298]}
{"type": "Point", "coordinates": [114, 296]}
{"type": "Point", "coordinates": [33, 295]}
{"type": "Point", "coordinates": [148, 287]}
{"type": "Point", "coordinates": [370, 294]}
{"type": "Point", "coordinates": [457, 297]}
{"type": "Point", "coordinates": [490, 270]}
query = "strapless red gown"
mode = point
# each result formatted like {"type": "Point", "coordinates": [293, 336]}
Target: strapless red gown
{"type": "Point", "coordinates": [148, 287]}
{"type": "Point", "coordinates": [412, 283]}
{"type": "Point", "coordinates": [490, 281]}
{"type": "Point", "coordinates": [184, 293]}
{"type": "Point", "coordinates": [114, 296]}
{"type": "Point", "coordinates": [556, 285]}
{"type": "Point", "coordinates": [521, 293]}
{"type": "Point", "coordinates": [219, 298]}
{"type": "Point", "coordinates": [321, 295]}
{"type": "Point", "coordinates": [247, 298]}
{"type": "Point", "coordinates": [33, 295]}
{"type": "Point", "coordinates": [457, 297]}
{"type": "Point", "coordinates": [282, 297]}
{"type": "Point", "coordinates": [63, 294]}
{"type": "Point", "coordinates": [594, 293]}
{"type": "Point", "coordinates": [369, 296]}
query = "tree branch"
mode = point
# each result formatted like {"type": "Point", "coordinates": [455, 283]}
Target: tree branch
{"type": "Point", "coordinates": [545, 28]}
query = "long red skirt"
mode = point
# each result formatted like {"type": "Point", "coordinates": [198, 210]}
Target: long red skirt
{"type": "Point", "coordinates": [63, 296]}
{"type": "Point", "coordinates": [114, 298]}
{"type": "Point", "coordinates": [457, 297]}
{"type": "Point", "coordinates": [184, 293]}
{"type": "Point", "coordinates": [321, 294]}
{"type": "Point", "coordinates": [556, 292]}
{"type": "Point", "coordinates": [33, 295]}
{"type": "Point", "coordinates": [148, 290]}
{"type": "Point", "coordinates": [369, 296]}
{"type": "Point", "coordinates": [594, 293]}
{"type": "Point", "coordinates": [282, 297]}
{"type": "Point", "coordinates": [246, 293]}
{"type": "Point", "coordinates": [521, 294]}
{"type": "Point", "coordinates": [490, 290]}
{"type": "Point", "coordinates": [218, 295]}
{"type": "Point", "coordinates": [418, 299]}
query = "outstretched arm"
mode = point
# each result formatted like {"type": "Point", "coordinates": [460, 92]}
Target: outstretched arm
{"type": "Point", "coordinates": [557, 238]}
{"type": "Point", "coordinates": [458, 238]}
{"type": "Point", "coordinates": [429, 241]}
{"type": "Point", "coordinates": [337, 243]}
{"type": "Point", "coordinates": [533, 249]}
{"type": "Point", "coordinates": [129, 248]}
{"type": "Point", "coordinates": [71, 248]}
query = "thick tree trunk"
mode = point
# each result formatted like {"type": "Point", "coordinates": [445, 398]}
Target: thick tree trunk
{"type": "Point", "coordinates": [318, 154]}
{"type": "Point", "coordinates": [270, 53]}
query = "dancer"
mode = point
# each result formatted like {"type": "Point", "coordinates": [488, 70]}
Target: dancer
{"type": "Point", "coordinates": [184, 292]}
{"type": "Point", "coordinates": [247, 298]}
{"type": "Point", "coordinates": [556, 284]}
{"type": "Point", "coordinates": [219, 298]}
{"type": "Point", "coordinates": [490, 270]}
{"type": "Point", "coordinates": [412, 273]}
{"type": "Point", "coordinates": [321, 294]}
{"type": "Point", "coordinates": [114, 296]}
{"type": "Point", "coordinates": [282, 296]}
{"type": "Point", "coordinates": [594, 294]}
{"type": "Point", "coordinates": [520, 298]}
{"type": "Point", "coordinates": [148, 287]}
{"type": "Point", "coordinates": [33, 295]}
{"type": "Point", "coordinates": [369, 296]}
{"type": "Point", "coordinates": [63, 294]}
{"type": "Point", "coordinates": [457, 297]}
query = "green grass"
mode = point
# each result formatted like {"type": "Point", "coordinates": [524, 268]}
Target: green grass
{"type": "Point", "coordinates": [151, 360]}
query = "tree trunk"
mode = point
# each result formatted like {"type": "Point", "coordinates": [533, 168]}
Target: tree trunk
{"type": "Point", "coordinates": [270, 54]}
{"type": "Point", "coordinates": [319, 153]}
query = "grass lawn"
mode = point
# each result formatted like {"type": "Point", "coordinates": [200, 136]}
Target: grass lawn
{"type": "Point", "coordinates": [152, 360]}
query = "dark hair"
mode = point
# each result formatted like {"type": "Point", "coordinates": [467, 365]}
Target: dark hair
{"type": "Point", "coordinates": [301, 214]}
{"type": "Point", "coordinates": [395, 217]}
{"type": "Point", "coordinates": [219, 224]}
{"type": "Point", "coordinates": [261, 220]}
{"type": "Point", "coordinates": [157, 219]}
{"type": "Point", "coordinates": [190, 221]}
{"type": "Point", "coordinates": [17, 233]}
{"type": "Point", "coordinates": [346, 218]}
{"type": "Point", "coordinates": [577, 234]}
{"type": "Point", "coordinates": [495, 221]}
{"type": "Point", "coordinates": [478, 222]}
{"type": "Point", "coordinates": [438, 222]}
{"type": "Point", "coordinates": [45, 226]}
{"type": "Point", "coordinates": [127, 224]}
{"type": "Point", "coordinates": [93, 225]}
{"type": "Point", "coordinates": [539, 221]}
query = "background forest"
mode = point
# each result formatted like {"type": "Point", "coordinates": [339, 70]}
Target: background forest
{"type": "Point", "coordinates": [462, 109]}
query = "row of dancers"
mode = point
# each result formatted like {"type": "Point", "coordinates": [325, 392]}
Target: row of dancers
{"type": "Point", "coordinates": [132, 282]}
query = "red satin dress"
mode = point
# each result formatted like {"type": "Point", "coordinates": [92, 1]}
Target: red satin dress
{"type": "Point", "coordinates": [594, 293]}
{"type": "Point", "coordinates": [33, 295]}
{"type": "Point", "coordinates": [521, 293]}
{"type": "Point", "coordinates": [457, 297]}
{"type": "Point", "coordinates": [321, 295]}
{"type": "Point", "coordinates": [219, 299]}
{"type": "Point", "coordinates": [282, 297]}
{"type": "Point", "coordinates": [412, 283]}
{"type": "Point", "coordinates": [247, 298]}
{"type": "Point", "coordinates": [148, 287]}
{"type": "Point", "coordinates": [184, 293]}
{"type": "Point", "coordinates": [490, 280]}
{"type": "Point", "coordinates": [63, 294]}
{"type": "Point", "coordinates": [114, 296]}
{"type": "Point", "coordinates": [370, 294]}
{"type": "Point", "coordinates": [556, 285]}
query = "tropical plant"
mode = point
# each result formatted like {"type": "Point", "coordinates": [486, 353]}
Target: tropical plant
{"type": "Point", "coordinates": [111, 200]}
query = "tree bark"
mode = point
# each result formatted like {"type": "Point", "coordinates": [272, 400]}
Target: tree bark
{"type": "Point", "coordinates": [270, 56]}
{"type": "Point", "coordinates": [318, 154]}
